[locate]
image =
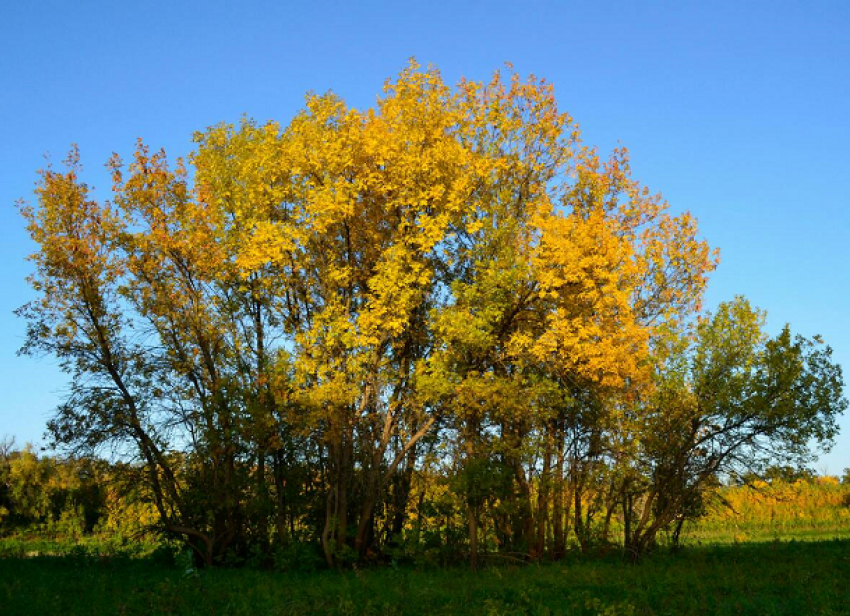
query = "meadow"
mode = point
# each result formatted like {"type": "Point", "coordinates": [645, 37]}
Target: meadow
{"type": "Point", "coordinates": [757, 578]}
{"type": "Point", "coordinates": [768, 549]}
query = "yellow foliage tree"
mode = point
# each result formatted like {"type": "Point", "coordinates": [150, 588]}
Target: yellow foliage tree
{"type": "Point", "coordinates": [327, 299]}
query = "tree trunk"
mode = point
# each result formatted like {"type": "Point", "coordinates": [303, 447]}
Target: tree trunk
{"type": "Point", "coordinates": [473, 537]}
{"type": "Point", "coordinates": [543, 491]}
{"type": "Point", "coordinates": [581, 530]}
{"type": "Point", "coordinates": [677, 533]}
{"type": "Point", "coordinates": [361, 542]}
{"type": "Point", "coordinates": [327, 531]}
{"type": "Point", "coordinates": [263, 493]}
{"type": "Point", "coordinates": [280, 489]}
{"type": "Point", "coordinates": [560, 538]}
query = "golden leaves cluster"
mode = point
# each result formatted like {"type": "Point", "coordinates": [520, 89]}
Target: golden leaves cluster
{"type": "Point", "coordinates": [448, 233]}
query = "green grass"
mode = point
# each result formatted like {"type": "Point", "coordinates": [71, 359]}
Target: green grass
{"type": "Point", "coordinates": [748, 534]}
{"type": "Point", "coordinates": [755, 578]}
{"type": "Point", "coordinates": [29, 545]}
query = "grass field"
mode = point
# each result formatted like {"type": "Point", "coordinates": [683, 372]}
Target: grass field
{"type": "Point", "coordinates": [754, 578]}
{"type": "Point", "coordinates": [782, 549]}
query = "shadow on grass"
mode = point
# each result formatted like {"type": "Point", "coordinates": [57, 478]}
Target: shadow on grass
{"type": "Point", "coordinates": [760, 578]}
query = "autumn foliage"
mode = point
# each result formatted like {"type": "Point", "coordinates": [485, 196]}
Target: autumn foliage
{"type": "Point", "coordinates": [321, 332]}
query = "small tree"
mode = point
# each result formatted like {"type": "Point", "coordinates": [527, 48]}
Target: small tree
{"type": "Point", "coordinates": [732, 401]}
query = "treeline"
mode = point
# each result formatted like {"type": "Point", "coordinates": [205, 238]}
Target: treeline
{"type": "Point", "coordinates": [443, 308]}
{"type": "Point", "coordinates": [70, 498]}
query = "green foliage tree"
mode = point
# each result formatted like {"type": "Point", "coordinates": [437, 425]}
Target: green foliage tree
{"type": "Point", "coordinates": [732, 401]}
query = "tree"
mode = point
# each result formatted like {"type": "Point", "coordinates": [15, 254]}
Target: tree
{"type": "Point", "coordinates": [732, 401]}
{"type": "Point", "coordinates": [321, 315]}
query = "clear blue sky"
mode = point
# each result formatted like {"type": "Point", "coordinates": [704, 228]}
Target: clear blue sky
{"type": "Point", "coordinates": [736, 111]}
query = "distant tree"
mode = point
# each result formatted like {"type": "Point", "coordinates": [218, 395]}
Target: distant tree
{"type": "Point", "coordinates": [7, 446]}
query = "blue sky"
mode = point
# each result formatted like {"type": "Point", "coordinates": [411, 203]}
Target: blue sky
{"type": "Point", "coordinates": [738, 112]}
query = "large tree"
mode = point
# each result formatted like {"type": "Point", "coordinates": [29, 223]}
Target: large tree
{"type": "Point", "coordinates": [289, 338]}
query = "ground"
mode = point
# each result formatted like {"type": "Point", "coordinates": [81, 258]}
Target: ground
{"type": "Point", "coordinates": [769, 577]}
